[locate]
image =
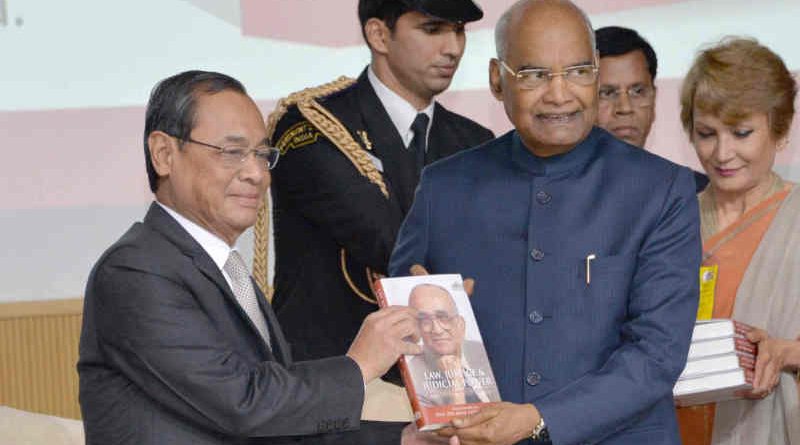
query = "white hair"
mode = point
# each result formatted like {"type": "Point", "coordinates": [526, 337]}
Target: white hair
{"type": "Point", "coordinates": [501, 29]}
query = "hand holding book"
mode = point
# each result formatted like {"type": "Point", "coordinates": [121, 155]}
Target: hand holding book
{"type": "Point", "coordinates": [383, 338]}
{"type": "Point", "coordinates": [720, 365]}
{"type": "Point", "coordinates": [775, 355]}
{"type": "Point", "coordinates": [413, 436]}
{"type": "Point", "coordinates": [451, 385]}
{"type": "Point", "coordinates": [452, 377]}
{"type": "Point", "coordinates": [499, 423]}
{"type": "Point", "coordinates": [729, 359]}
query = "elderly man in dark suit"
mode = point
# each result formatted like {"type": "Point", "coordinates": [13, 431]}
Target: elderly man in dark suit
{"type": "Point", "coordinates": [586, 279]}
{"type": "Point", "coordinates": [178, 345]}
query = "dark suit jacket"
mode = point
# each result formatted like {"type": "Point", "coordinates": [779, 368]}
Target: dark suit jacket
{"type": "Point", "coordinates": [422, 367]}
{"type": "Point", "coordinates": [167, 355]}
{"type": "Point", "coordinates": [322, 204]}
{"type": "Point", "coordinates": [599, 360]}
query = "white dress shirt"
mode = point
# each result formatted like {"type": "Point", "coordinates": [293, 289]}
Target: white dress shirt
{"type": "Point", "coordinates": [400, 111]}
{"type": "Point", "coordinates": [214, 246]}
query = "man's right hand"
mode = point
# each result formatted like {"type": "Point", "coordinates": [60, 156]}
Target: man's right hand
{"type": "Point", "coordinates": [383, 337]}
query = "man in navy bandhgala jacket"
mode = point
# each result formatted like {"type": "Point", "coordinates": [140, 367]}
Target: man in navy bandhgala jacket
{"type": "Point", "coordinates": [585, 250]}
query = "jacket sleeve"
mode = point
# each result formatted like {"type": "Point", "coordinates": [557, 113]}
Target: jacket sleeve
{"type": "Point", "coordinates": [152, 329]}
{"type": "Point", "coordinates": [321, 184]}
{"type": "Point", "coordinates": [662, 305]}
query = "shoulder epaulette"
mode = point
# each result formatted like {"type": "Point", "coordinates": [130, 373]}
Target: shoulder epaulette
{"type": "Point", "coordinates": [311, 93]}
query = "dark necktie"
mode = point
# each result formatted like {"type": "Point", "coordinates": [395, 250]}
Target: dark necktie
{"type": "Point", "coordinates": [420, 141]}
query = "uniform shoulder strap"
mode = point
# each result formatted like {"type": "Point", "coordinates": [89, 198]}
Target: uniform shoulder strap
{"type": "Point", "coordinates": [310, 93]}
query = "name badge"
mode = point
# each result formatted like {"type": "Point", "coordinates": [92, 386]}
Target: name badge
{"type": "Point", "coordinates": [708, 285]}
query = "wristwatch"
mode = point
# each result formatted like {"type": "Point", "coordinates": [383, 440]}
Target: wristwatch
{"type": "Point", "coordinates": [540, 431]}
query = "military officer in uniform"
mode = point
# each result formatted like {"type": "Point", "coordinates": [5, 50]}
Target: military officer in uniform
{"type": "Point", "coordinates": [352, 152]}
{"type": "Point", "coordinates": [351, 156]}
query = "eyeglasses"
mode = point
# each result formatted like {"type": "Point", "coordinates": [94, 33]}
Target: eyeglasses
{"type": "Point", "coordinates": [444, 319]}
{"type": "Point", "coordinates": [533, 78]}
{"type": "Point", "coordinates": [234, 156]}
{"type": "Point", "coordinates": [638, 95]}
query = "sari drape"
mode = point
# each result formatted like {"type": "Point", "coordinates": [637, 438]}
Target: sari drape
{"type": "Point", "coordinates": [742, 252]}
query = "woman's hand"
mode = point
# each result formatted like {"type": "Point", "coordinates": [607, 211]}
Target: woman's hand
{"type": "Point", "coordinates": [774, 356]}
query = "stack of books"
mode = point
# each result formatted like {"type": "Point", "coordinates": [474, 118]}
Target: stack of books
{"type": "Point", "coordinates": [721, 363]}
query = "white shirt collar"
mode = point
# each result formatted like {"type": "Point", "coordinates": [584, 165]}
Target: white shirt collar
{"type": "Point", "coordinates": [214, 246]}
{"type": "Point", "coordinates": [400, 111]}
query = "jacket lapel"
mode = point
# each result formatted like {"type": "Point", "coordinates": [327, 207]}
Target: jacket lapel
{"type": "Point", "coordinates": [398, 163]}
{"type": "Point", "coordinates": [159, 220]}
{"type": "Point", "coordinates": [280, 348]}
{"type": "Point", "coordinates": [442, 141]}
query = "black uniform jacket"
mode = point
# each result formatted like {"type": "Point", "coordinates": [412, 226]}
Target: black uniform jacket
{"type": "Point", "coordinates": [323, 206]}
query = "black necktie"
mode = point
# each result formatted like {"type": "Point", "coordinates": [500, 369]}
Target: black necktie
{"type": "Point", "coordinates": [420, 141]}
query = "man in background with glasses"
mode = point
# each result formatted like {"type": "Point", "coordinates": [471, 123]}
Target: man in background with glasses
{"type": "Point", "coordinates": [445, 352]}
{"type": "Point", "coordinates": [584, 249]}
{"type": "Point", "coordinates": [628, 67]}
{"type": "Point", "coordinates": [179, 346]}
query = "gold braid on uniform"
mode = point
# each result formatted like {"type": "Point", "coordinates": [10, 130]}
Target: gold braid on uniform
{"type": "Point", "coordinates": [262, 226]}
{"type": "Point", "coordinates": [337, 133]}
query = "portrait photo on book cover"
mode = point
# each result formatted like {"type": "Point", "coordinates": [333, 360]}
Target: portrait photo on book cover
{"type": "Point", "coordinates": [453, 368]}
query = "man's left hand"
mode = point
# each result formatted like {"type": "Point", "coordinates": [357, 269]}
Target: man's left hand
{"type": "Point", "coordinates": [502, 423]}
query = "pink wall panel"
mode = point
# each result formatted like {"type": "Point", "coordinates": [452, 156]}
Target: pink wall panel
{"type": "Point", "coordinates": [493, 9]}
{"type": "Point", "coordinates": [74, 158]}
{"type": "Point", "coordinates": [93, 157]}
{"type": "Point", "coordinates": [480, 106]}
{"type": "Point", "coordinates": [335, 23]}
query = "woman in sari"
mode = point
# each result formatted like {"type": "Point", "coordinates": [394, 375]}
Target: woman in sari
{"type": "Point", "coordinates": [737, 106]}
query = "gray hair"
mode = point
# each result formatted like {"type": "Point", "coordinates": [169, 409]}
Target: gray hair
{"type": "Point", "coordinates": [501, 29]}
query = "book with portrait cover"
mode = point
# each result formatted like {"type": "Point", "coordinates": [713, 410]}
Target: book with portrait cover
{"type": "Point", "coordinates": [452, 377]}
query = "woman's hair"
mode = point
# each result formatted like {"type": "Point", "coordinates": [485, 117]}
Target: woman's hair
{"type": "Point", "coordinates": [735, 78]}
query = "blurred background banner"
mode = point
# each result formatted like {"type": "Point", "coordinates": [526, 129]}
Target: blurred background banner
{"type": "Point", "coordinates": [76, 75]}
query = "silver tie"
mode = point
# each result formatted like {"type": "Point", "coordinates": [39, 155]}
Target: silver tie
{"type": "Point", "coordinates": [245, 294]}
